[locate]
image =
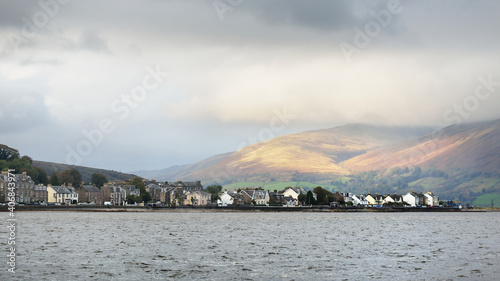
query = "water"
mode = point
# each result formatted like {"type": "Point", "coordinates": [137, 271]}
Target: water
{"type": "Point", "coordinates": [255, 246]}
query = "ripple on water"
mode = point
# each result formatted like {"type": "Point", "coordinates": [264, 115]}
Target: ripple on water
{"type": "Point", "coordinates": [258, 246]}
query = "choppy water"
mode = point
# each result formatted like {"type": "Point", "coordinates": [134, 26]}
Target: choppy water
{"type": "Point", "coordinates": [255, 246]}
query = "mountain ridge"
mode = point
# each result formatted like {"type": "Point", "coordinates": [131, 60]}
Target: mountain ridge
{"type": "Point", "coordinates": [312, 152]}
{"type": "Point", "coordinates": [343, 150]}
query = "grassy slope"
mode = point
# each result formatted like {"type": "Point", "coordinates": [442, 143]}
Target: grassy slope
{"type": "Point", "coordinates": [477, 185]}
{"type": "Point", "coordinates": [484, 200]}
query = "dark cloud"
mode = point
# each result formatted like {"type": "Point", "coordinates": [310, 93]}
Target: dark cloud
{"type": "Point", "coordinates": [234, 71]}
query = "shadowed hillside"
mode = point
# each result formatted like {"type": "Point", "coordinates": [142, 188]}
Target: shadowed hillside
{"type": "Point", "coordinates": [470, 147]}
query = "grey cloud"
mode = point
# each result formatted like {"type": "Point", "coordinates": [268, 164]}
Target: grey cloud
{"type": "Point", "coordinates": [12, 12]}
{"type": "Point", "coordinates": [90, 40]}
{"type": "Point", "coordinates": [322, 15]}
{"type": "Point", "coordinates": [22, 108]}
{"type": "Point", "coordinates": [433, 45]}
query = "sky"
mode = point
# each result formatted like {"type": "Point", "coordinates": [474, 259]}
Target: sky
{"type": "Point", "coordinates": [134, 85]}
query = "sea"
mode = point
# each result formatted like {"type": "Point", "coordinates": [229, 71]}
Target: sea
{"type": "Point", "coordinates": [252, 246]}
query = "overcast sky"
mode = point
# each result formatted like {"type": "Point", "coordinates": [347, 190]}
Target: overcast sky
{"type": "Point", "coordinates": [130, 85]}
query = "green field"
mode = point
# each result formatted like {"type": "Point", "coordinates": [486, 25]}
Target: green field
{"type": "Point", "coordinates": [478, 184]}
{"type": "Point", "coordinates": [484, 200]}
{"type": "Point", "coordinates": [271, 186]}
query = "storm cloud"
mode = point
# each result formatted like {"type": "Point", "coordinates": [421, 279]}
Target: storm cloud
{"type": "Point", "coordinates": [65, 66]}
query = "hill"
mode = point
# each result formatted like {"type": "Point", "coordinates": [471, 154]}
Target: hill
{"type": "Point", "coordinates": [86, 172]}
{"type": "Point", "coordinates": [182, 172]}
{"type": "Point", "coordinates": [306, 156]}
{"type": "Point", "coordinates": [473, 147]}
{"type": "Point", "coordinates": [459, 163]}
{"type": "Point", "coordinates": [160, 175]}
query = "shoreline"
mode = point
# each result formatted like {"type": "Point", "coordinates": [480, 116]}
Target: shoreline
{"type": "Point", "coordinates": [215, 209]}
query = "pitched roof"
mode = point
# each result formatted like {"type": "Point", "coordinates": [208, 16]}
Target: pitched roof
{"type": "Point", "coordinates": [115, 188]}
{"type": "Point", "coordinates": [23, 177]}
{"type": "Point", "coordinates": [203, 193]}
{"type": "Point", "coordinates": [91, 188]}
{"type": "Point", "coordinates": [250, 193]}
{"type": "Point", "coordinates": [153, 186]}
{"type": "Point", "coordinates": [61, 190]}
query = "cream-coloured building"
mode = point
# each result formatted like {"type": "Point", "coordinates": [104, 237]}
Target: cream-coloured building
{"type": "Point", "coordinates": [197, 198]}
{"type": "Point", "coordinates": [61, 194]}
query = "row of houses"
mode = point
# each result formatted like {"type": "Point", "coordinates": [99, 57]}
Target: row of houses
{"type": "Point", "coordinates": [186, 193]}
{"type": "Point", "coordinates": [26, 191]}
{"type": "Point", "coordinates": [288, 197]}
{"type": "Point", "coordinates": [412, 199]}
{"type": "Point", "coordinates": [161, 192]}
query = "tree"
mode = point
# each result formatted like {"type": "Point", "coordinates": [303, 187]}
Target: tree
{"type": "Point", "coordinates": [54, 180]}
{"type": "Point", "coordinates": [302, 198]}
{"type": "Point", "coordinates": [139, 184]}
{"type": "Point", "coordinates": [8, 153]}
{"type": "Point", "coordinates": [71, 176]}
{"type": "Point", "coordinates": [132, 199]}
{"type": "Point", "coordinates": [27, 158]}
{"type": "Point", "coordinates": [310, 198]}
{"type": "Point", "coordinates": [324, 196]}
{"type": "Point", "coordinates": [99, 180]}
{"type": "Point", "coordinates": [214, 191]}
{"type": "Point", "coordinates": [146, 197]}
{"type": "Point", "coordinates": [42, 177]}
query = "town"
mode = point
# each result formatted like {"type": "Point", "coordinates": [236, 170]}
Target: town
{"type": "Point", "coordinates": [171, 194]}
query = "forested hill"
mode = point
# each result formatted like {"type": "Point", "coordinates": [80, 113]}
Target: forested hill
{"type": "Point", "coordinates": [86, 172]}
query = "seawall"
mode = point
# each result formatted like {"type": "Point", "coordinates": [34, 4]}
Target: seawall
{"type": "Point", "coordinates": [83, 208]}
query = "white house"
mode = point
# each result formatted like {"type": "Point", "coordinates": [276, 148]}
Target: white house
{"type": "Point", "coordinates": [73, 196]}
{"type": "Point", "coordinates": [412, 199]}
{"type": "Point", "coordinates": [359, 200]}
{"type": "Point", "coordinates": [431, 199]}
{"type": "Point", "coordinates": [293, 192]}
{"type": "Point", "coordinates": [225, 199]}
{"type": "Point", "coordinates": [392, 199]}
{"type": "Point", "coordinates": [347, 197]}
